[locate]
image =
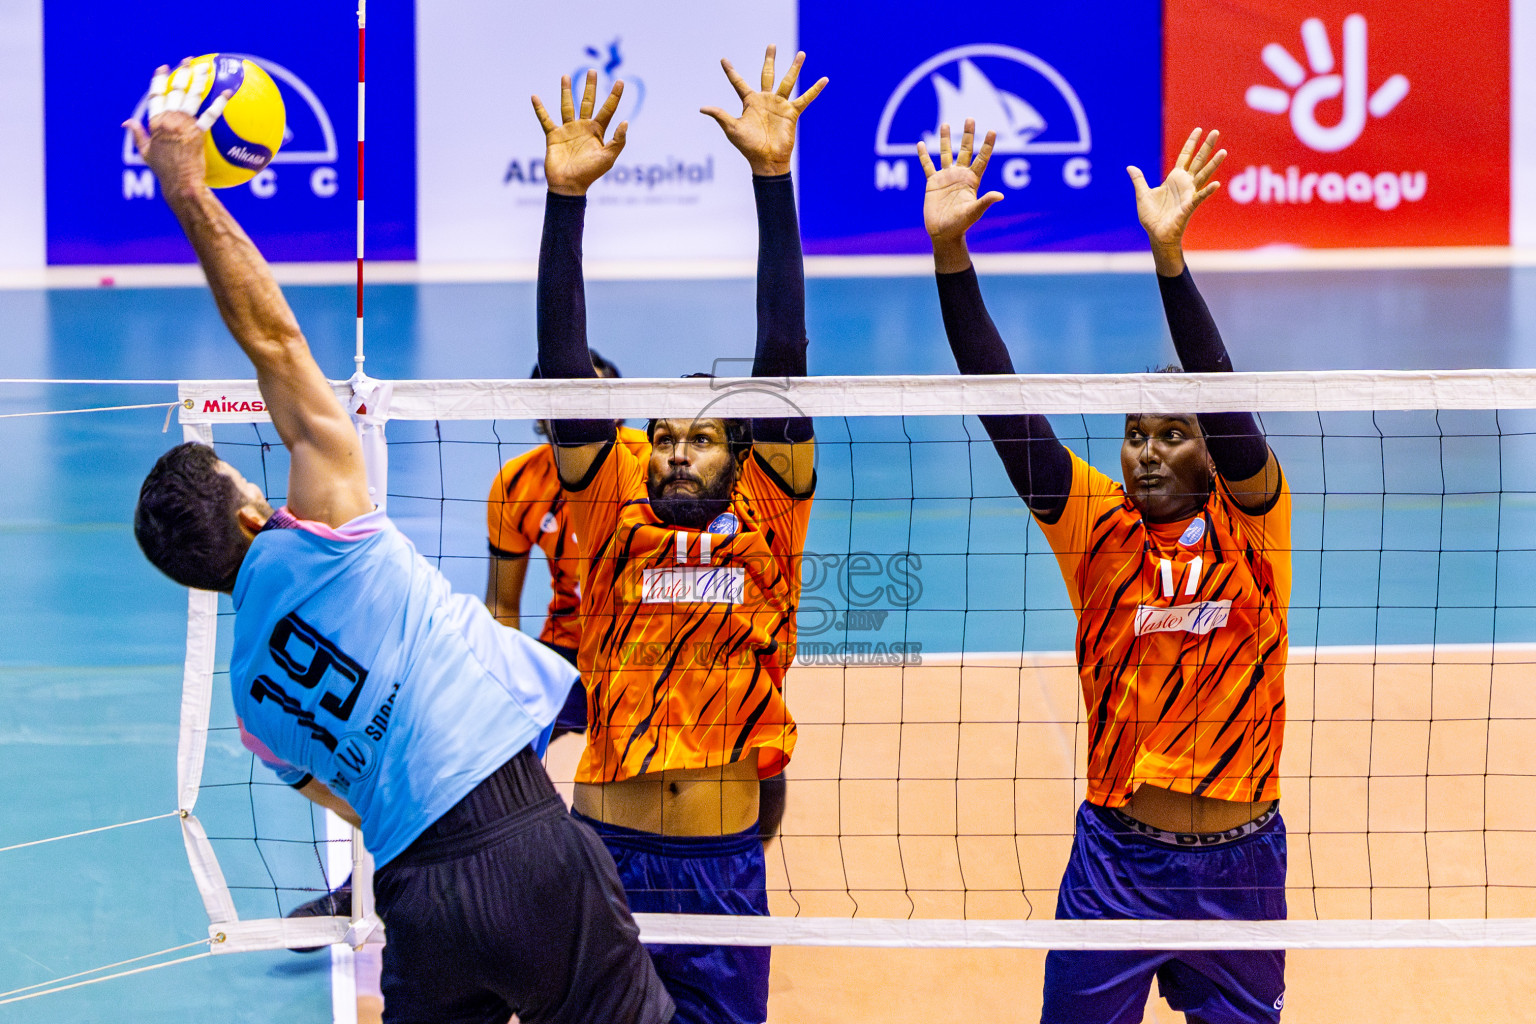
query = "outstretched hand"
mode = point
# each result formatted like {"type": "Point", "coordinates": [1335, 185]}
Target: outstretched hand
{"type": "Point", "coordinates": [173, 145]}
{"type": "Point", "coordinates": [1164, 211]}
{"type": "Point", "coordinates": [765, 131]}
{"type": "Point", "coordinates": [575, 154]}
{"type": "Point", "coordinates": [950, 203]}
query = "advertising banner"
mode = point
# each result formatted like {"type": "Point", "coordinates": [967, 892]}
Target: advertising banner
{"type": "Point", "coordinates": [103, 203]}
{"type": "Point", "coordinates": [1072, 90]}
{"type": "Point", "coordinates": [21, 125]}
{"type": "Point", "coordinates": [679, 191]}
{"type": "Point", "coordinates": [1348, 123]}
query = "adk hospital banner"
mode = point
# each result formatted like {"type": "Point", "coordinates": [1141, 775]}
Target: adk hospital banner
{"type": "Point", "coordinates": [1349, 123]}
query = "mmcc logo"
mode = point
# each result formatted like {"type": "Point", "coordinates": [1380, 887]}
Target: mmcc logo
{"type": "Point", "coordinates": [308, 138]}
{"type": "Point", "coordinates": [1009, 101]}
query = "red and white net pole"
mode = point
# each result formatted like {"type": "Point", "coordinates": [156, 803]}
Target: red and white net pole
{"type": "Point", "coordinates": [362, 32]}
{"type": "Point", "coordinates": [365, 403]}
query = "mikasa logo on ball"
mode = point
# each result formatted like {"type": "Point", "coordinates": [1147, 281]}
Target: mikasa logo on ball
{"type": "Point", "coordinates": [246, 156]}
{"type": "Point", "coordinates": [307, 137]}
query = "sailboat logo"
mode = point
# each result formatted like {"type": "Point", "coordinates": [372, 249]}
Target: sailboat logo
{"type": "Point", "coordinates": [962, 89]}
{"type": "Point", "coordinates": [1017, 122]}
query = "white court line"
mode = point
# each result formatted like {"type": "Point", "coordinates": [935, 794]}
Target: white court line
{"type": "Point", "coordinates": [1273, 258]}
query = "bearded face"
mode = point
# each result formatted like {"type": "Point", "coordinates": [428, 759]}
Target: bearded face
{"type": "Point", "coordinates": [691, 473]}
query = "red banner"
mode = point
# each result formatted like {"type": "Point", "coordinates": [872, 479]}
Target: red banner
{"type": "Point", "coordinates": [1346, 123]}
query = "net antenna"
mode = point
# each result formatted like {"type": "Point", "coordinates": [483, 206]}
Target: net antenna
{"type": "Point", "coordinates": [362, 33]}
{"type": "Point", "coordinates": [369, 407]}
{"type": "Point", "coordinates": [1492, 916]}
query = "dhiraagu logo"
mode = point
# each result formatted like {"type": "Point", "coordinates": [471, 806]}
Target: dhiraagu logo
{"type": "Point", "coordinates": [1326, 82]}
{"type": "Point", "coordinates": [1327, 77]}
{"type": "Point", "coordinates": [1041, 125]}
{"type": "Point", "coordinates": [309, 143]}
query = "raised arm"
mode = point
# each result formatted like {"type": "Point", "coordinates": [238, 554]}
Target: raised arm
{"type": "Point", "coordinates": [327, 481]}
{"type": "Point", "coordinates": [575, 156]}
{"type": "Point", "coordinates": [504, 588]}
{"type": "Point", "coordinates": [1235, 440]}
{"type": "Point", "coordinates": [1037, 463]}
{"type": "Point", "coordinates": [765, 135]}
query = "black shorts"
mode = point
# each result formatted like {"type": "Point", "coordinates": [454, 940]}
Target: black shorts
{"type": "Point", "coordinates": [573, 716]}
{"type": "Point", "coordinates": [509, 905]}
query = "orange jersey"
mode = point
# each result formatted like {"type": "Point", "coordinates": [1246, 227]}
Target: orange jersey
{"type": "Point", "coordinates": [685, 635]}
{"type": "Point", "coordinates": [1181, 640]}
{"type": "Point", "coordinates": [526, 509]}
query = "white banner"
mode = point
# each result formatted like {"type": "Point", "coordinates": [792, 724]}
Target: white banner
{"type": "Point", "coordinates": [1522, 142]}
{"type": "Point", "coordinates": [678, 192]}
{"type": "Point", "coordinates": [21, 125]}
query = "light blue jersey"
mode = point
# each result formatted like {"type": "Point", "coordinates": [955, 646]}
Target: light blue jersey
{"type": "Point", "coordinates": [355, 663]}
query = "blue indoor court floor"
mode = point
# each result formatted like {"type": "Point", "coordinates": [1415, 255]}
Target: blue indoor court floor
{"type": "Point", "coordinates": [1410, 528]}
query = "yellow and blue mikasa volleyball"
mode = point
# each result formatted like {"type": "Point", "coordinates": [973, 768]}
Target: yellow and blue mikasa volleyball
{"type": "Point", "coordinates": [247, 136]}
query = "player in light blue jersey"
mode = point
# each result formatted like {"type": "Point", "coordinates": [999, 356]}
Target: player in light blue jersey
{"type": "Point", "coordinates": [367, 684]}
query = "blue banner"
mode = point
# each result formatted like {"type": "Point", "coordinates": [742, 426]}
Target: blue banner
{"type": "Point", "coordinates": [103, 202]}
{"type": "Point", "coordinates": [1074, 92]}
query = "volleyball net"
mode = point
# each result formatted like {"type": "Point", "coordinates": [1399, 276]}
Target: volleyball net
{"type": "Point", "coordinates": [942, 738]}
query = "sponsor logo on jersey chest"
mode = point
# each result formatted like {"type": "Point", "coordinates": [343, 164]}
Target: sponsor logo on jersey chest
{"type": "Point", "coordinates": [693, 584]}
{"type": "Point", "coordinates": [1200, 617]}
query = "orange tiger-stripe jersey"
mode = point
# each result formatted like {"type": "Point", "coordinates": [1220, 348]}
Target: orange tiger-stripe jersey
{"type": "Point", "coordinates": [685, 635]}
{"type": "Point", "coordinates": [1181, 640]}
{"type": "Point", "coordinates": [526, 509]}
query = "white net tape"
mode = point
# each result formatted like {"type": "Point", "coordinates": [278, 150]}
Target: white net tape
{"type": "Point", "coordinates": [232, 401]}
{"type": "Point", "coordinates": [986, 913]}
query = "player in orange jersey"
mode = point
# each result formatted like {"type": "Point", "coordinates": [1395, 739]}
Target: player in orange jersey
{"type": "Point", "coordinates": [1180, 577]}
{"type": "Point", "coordinates": [526, 509]}
{"type": "Point", "coordinates": [692, 571]}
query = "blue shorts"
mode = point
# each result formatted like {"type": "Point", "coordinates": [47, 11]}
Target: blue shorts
{"type": "Point", "coordinates": [699, 875]}
{"type": "Point", "coordinates": [1119, 871]}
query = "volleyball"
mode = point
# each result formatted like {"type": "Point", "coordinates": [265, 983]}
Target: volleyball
{"type": "Point", "coordinates": [248, 134]}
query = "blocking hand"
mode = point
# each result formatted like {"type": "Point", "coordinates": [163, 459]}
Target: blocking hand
{"type": "Point", "coordinates": [950, 203]}
{"type": "Point", "coordinates": [173, 145]}
{"type": "Point", "coordinates": [575, 154]}
{"type": "Point", "coordinates": [1164, 211]}
{"type": "Point", "coordinates": [765, 131]}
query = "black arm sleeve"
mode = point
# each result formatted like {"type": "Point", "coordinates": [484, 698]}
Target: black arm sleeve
{"type": "Point", "coordinates": [1234, 439]}
{"type": "Point", "coordinates": [562, 312]}
{"type": "Point", "coordinates": [781, 340]}
{"type": "Point", "coordinates": [1037, 463]}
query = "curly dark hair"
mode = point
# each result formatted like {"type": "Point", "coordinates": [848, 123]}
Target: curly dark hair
{"type": "Point", "coordinates": [738, 433]}
{"type": "Point", "coordinates": [604, 367]}
{"type": "Point", "coordinates": [185, 521]}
